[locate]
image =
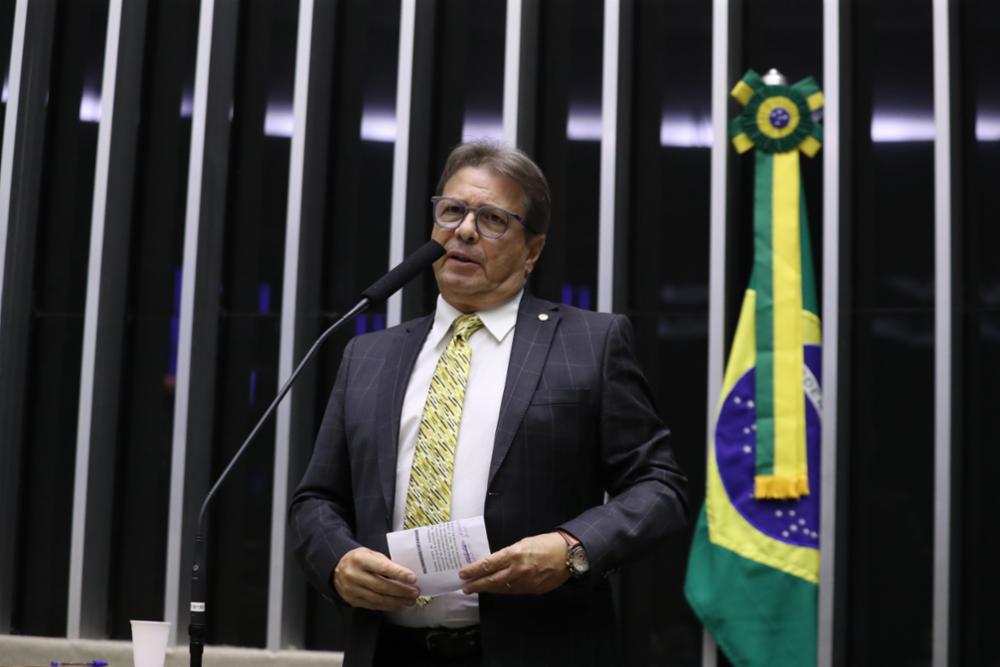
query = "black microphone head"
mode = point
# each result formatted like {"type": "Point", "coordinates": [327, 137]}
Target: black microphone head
{"type": "Point", "coordinates": [404, 272]}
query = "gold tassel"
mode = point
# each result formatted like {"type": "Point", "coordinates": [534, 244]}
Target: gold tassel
{"type": "Point", "coordinates": [783, 487]}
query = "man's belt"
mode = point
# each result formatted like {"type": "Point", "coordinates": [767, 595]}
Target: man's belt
{"type": "Point", "coordinates": [438, 643]}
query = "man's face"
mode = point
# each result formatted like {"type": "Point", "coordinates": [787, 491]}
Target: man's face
{"type": "Point", "coordinates": [480, 273]}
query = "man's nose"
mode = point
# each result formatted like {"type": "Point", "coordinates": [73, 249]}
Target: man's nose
{"type": "Point", "coordinates": [466, 230]}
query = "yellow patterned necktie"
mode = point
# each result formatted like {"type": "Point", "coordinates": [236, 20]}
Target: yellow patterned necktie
{"type": "Point", "coordinates": [428, 497]}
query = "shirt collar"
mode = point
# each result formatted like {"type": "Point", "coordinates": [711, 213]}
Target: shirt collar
{"type": "Point", "coordinates": [499, 321]}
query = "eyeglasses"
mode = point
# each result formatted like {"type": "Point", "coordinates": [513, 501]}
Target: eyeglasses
{"type": "Point", "coordinates": [491, 221]}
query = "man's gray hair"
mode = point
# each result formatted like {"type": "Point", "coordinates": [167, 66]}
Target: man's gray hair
{"type": "Point", "coordinates": [512, 163]}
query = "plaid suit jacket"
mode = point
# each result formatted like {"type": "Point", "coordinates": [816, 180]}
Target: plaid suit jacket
{"type": "Point", "coordinates": [576, 420]}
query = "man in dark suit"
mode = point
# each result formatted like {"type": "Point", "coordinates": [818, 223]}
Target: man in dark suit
{"type": "Point", "coordinates": [550, 412]}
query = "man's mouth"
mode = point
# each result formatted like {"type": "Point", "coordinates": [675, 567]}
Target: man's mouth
{"type": "Point", "coordinates": [461, 258]}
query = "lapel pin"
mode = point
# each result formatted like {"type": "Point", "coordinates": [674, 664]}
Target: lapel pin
{"type": "Point", "coordinates": [543, 316]}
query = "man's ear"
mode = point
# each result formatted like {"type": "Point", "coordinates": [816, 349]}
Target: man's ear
{"type": "Point", "coordinates": [535, 245]}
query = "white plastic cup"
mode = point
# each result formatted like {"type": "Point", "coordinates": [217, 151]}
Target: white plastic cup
{"type": "Point", "coordinates": [149, 643]}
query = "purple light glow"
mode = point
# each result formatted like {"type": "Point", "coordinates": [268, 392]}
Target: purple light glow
{"type": "Point", "coordinates": [901, 127]}
{"type": "Point", "coordinates": [988, 127]}
{"type": "Point", "coordinates": [365, 323]}
{"type": "Point", "coordinates": [264, 298]}
{"type": "Point", "coordinates": [583, 123]}
{"type": "Point", "coordinates": [676, 129]}
{"type": "Point", "coordinates": [90, 106]}
{"type": "Point", "coordinates": [482, 126]}
{"type": "Point", "coordinates": [187, 103]}
{"type": "Point", "coordinates": [378, 125]}
{"type": "Point", "coordinates": [279, 120]}
{"type": "Point", "coordinates": [895, 127]}
{"type": "Point", "coordinates": [567, 294]}
{"type": "Point", "coordinates": [686, 131]}
{"type": "Point", "coordinates": [175, 320]}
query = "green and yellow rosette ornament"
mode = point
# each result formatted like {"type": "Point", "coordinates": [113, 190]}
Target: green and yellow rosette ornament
{"type": "Point", "coordinates": [777, 120]}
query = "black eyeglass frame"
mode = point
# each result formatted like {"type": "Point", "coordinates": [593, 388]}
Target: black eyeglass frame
{"type": "Point", "coordinates": [476, 210]}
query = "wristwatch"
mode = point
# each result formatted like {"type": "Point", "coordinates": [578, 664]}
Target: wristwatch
{"type": "Point", "coordinates": [576, 556]}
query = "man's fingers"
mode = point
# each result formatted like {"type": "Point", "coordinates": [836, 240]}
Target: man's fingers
{"type": "Point", "coordinates": [372, 600]}
{"type": "Point", "coordinates": [375, 592]}
{"type": "Point", "coordinates": [383, 577]}
{"type": "Point", "coordinates": [366, 578]}
{"type": "Point", "coordinates": [533, 565]}
{"type": "Point", "coordinates": [492, 583]}
{"type": "Point", "coordinates": [384, 586]}
{"type": "Point", "coordinates": [486, 566]}
{"type": "Point", "coordinates": [379, 564]}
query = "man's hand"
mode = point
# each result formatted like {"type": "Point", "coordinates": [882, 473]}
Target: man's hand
{"type": "Point", "coordinates": [368, 579]}
{"type": "Point", "coordinates": [534, 565]}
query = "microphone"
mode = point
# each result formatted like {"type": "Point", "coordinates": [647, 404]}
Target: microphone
{"type": "Point", "coordinates": [377, 292]}
{"type": "Point", "coordinates": [405, 271]}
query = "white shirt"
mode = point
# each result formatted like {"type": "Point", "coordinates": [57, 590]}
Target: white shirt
{"type": "Point", "coordinates": [487, 376]}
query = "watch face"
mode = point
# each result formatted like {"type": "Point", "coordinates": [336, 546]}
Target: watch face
{"type": "Point", "coordinates": [577, 561]}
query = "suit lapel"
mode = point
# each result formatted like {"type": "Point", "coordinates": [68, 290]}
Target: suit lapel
{"type": "Point", "coordinates": [536, 325]}
{"type": "Point", "coordinates": [391, 391]}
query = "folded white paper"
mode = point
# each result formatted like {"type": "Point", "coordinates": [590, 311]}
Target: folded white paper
{"type": "Point", "coordinates": [436, 553]}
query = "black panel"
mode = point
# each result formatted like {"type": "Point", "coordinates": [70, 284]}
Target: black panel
{"type": "Point", "coordinates": [568, 148]}
{"type": "Point", "coordinates": [249, 318]}
{"type": "Point", "coordinates": [59, 293]}
{"type": "Point", "coordinates": [891, 489]}
{"type": "Point", "coordinates": [146, 409]}
{"type": "Point", "coordinates": [468, 89]}
{"type": "Point", "coordinates": [666, 297]}
{"type": "Point", "coordinates": [978, 301]}
{"type": "Point", "coordinates": [355, 230]}
{"type": "Point", "coordinates": [890, 387]}
{"type": "Point", "coordinates": [466, 98]}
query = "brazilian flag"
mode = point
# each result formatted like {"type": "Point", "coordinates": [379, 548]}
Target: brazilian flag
{"type": "Point", "coordinates": [753, 571]}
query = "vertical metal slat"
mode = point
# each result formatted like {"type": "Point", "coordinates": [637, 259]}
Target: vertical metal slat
{"type": "Point", "coordinates": [831, 327]}
{"type": "Point", "coordinates": [717, 250]}
{"type": "Point", "coordinates": [10, 445]}
{"type": "Point", "coordinates": [104, 321]}
{"type": "Point", "coordinates": [609, 154]}
{"type": "Point", "coordinates": [178, 467]}
{"type": "Point", "coordinates": [401, 151]}
{"type": "Point", "coordinates": [942, 336]}
{"type": "Point", "coordinates": [289, 316]}
{"type": "Point", "coordinates": [512, 71]}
